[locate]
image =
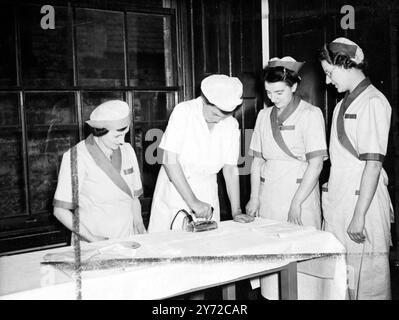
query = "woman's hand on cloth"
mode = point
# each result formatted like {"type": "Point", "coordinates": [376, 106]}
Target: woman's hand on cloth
{"type": "Point", "coordinates": [95, 238]}
{"type": "Point", "coordinates": [294, 214]}
{"type": "Point", "coordinates": [243, 218]}
{"type": "Point", "coordinates": [252, 207]}
{"type": "Point", "coordinates": [356, 228]}
{"type": "Point", "coordinates": [201, 209]}
{"type": "Point", "coordinates": [138, 225]}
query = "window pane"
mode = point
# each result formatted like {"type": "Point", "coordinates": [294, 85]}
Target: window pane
{"type": "Point", "coordinates": [49, 136]}
{"type": "Point", "coordinates": [50, 109]}
{"type": "Point", "coordinates": [12, 189]}
{"type": "Point", "coordinates": [100, 47]}
{"type": "Point", "coordinates": [153, 106]}
{"type": "Point", "coordinates": [151, 113]}
{"type": "Point", "coordinates": [9, 109]}
{"type": "Point", "coordinates": [90, 100]}
{"type": "Point", "coordinates": [46, 54]}
{"type": "Point", "coordinates": [152, 3]}
{"type": "Point", "coordinates": [12, 186]}
{"type": "Point", "coordinates": [8, 74]}
{"type": "Point", "coordinates": [45, 155]}
{"type": "Point", "coordinates": [147, 140]}
{"type": "Point", "coordinates": [150, 50]}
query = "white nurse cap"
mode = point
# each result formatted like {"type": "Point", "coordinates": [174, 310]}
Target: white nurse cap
{"type": "Point", "coordinates": [111, 115]}
{"type": "Point", "coordinates": [222, 91]}
{"type": "Point", "coordinates": [286, 62]}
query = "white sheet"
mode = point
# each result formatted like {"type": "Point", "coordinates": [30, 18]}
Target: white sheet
{"type": "Point", "coordinates": [207, 258]}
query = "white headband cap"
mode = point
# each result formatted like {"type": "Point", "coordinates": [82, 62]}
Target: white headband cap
{"type": "Point", "coordinates": [287, 62]}
{"type": "Point", "coordinates": [111, 115]}
{"type": "Point", "coordinates": [223, 91]}
{"type": "Point", "coordinates": [357, 56]}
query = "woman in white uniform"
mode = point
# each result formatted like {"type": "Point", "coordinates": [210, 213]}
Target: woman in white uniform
{"type": "Point", "coordinates": [201, 138]}
{"type": "Point", "coordinates": [108, 178]}
{"type": "Point", "coordinates": [288, 146]}
{"type": "Point", "coordinates": [356, 204]}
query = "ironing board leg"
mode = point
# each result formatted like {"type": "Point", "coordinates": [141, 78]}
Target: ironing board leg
{"type": "Point", "coordinates": [288, 282]}
{"type": "Point", "coordinates": [229, 291]}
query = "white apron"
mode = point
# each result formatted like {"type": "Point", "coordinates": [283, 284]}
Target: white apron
{"type": "Point", "coordinates": [286, 143]}
{"type": "Point", "coordinates": [359, 132]}
{"type": "Point", "coordinates": [106, 189]}
{"type": "Point", "coordinates": [202, 153]}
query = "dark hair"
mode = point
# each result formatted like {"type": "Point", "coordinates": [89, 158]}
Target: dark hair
{"type": "Point", "coordinates": [340, 59]}
{"type": "Point", "coordinates": [102, 132]}
{"type": "Point", "coordinates": [99, 132]}
{"type": "Point", "coordinates": [277, 74]}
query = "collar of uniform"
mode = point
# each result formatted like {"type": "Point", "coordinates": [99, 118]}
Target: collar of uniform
{"type": "Point", "coordinates": [200, 107]}
{"type": "Point", "coordinates": [350, 97]}
{"type": "Point", "coordinates": [107, 167]}
{"type": "Point", "coordinates": [108, 152]}
{"type": "Point", "coordinates": [289, 109]}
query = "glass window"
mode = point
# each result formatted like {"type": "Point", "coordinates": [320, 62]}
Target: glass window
{"type": "Point", "coordinates": [46, 54]}
{"type": "Point", "coordinates": [52, 129]}
{"type": "Point", "coordinates": [8, 74]}
{"type": "Point", "coordinates": [151, 113]}
{"type": "Point", "coordinates": [110, 46]}
{"type": "Point", "coordinates": [9, 110]}
{"type": "Point", "coordinates": [152, 3]}
{"type": "Point", "coordinates": [12, 186]}
{"type": "Point", "coordinates": [150, 50]}
{"type": "Point", "coordinates": [50, 109]}
{"type": "Point", "coordinates": [147, 139]}
{"type": "Point", "coordinates": [45, 155]}
{"type": "Point", "coordinates": [100, 47]}
{"type": "Point", "coordinates": [153, 106]}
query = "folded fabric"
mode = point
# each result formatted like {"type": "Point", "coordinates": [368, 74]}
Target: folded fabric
{"type": "Point", "coordinates": [118, 250]}
{"type": "Point", "coordinates": [69, 256]}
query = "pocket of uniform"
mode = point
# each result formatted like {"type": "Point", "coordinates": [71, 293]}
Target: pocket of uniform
{"type": "Point", "coordinates": [128, 171]}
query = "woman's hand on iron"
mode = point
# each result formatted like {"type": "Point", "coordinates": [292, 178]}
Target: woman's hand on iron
{"type": "Point", "coordinates": [356, 228]}
{"type": "Point", "coordinates": [294, 214]}
{"type": "Point", "coordinates": [252, 207]}
{"type": "Point", "coordinates": [201, 209]}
